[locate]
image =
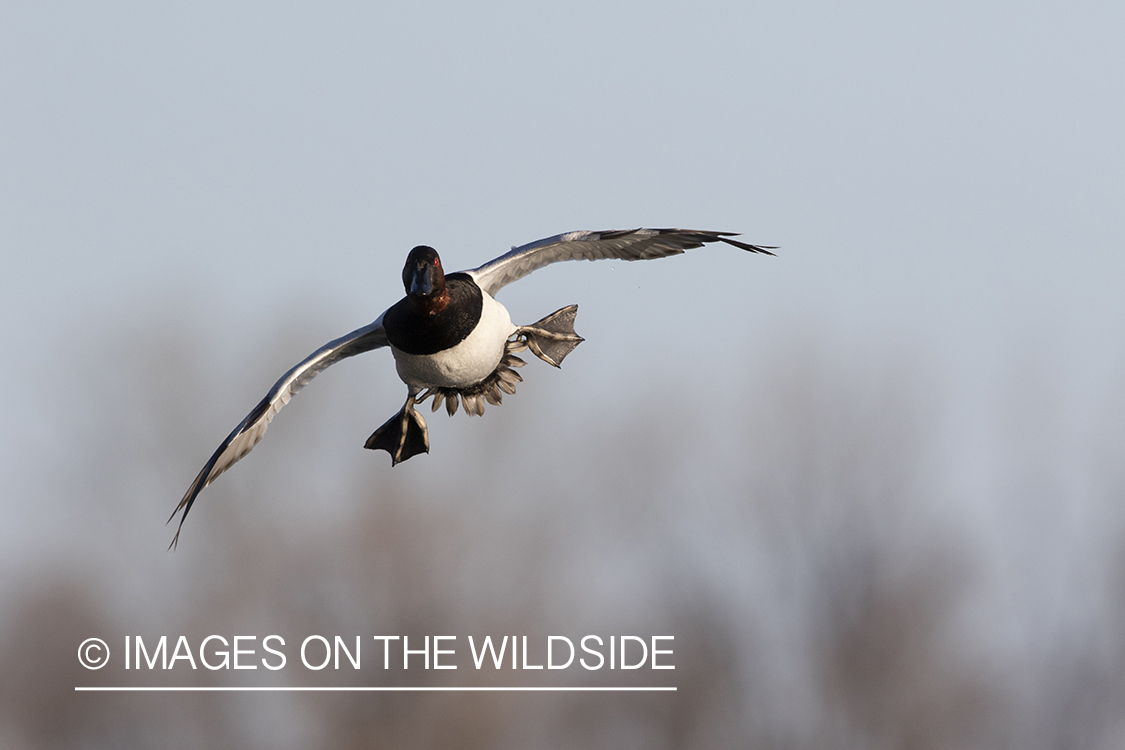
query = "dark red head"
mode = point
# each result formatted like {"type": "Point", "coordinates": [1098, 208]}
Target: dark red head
{"type": "Point", "coordinates": [422, 275]}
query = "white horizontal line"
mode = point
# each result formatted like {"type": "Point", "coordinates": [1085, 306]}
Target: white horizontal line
{"type": "Point", "coordinates": [362, 689]}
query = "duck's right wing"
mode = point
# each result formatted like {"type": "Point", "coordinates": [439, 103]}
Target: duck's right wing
{"type": "Point", "coordinates": [623, 244]}
{"type": "Point", "coordinates": [251, 430]}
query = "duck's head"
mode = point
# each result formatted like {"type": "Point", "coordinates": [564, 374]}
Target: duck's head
{"type": "Point", "coordinates": [422, 275]}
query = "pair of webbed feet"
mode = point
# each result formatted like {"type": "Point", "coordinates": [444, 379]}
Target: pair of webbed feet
{"type": "Point", "coordinates": [405, 435]}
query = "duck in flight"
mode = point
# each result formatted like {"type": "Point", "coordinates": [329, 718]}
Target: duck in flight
{"type": "Point", "coordinates": [452, 341]}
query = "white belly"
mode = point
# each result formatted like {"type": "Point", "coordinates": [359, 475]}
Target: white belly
{"type": "Point", "coordinates": [465, 364]}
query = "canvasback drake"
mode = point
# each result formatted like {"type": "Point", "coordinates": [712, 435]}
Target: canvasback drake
{"type": "Point", "coordinates": [452, 341]}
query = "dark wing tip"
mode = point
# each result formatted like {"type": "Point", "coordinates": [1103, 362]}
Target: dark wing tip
{"type": "Point", "coordinates": [692, 238]}
{"type": "Point", "coordinates": [763, 249]}
{"type": "Point", "coordinates": [696, 238]}
{"type": "Point", "coordinates": [204, 475]}
{"type": "Point", "coordinates": [189, 497]}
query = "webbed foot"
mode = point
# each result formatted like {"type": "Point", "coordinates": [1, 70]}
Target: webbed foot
{"type": "Point", "coordinates": [553, 337]}
{"type": "Point", "coordinates": [404, 435]}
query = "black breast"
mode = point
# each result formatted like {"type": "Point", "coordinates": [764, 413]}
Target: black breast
{"type": "Point", "coordinates": [415, 331]}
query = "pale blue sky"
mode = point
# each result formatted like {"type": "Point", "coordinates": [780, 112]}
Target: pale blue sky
{"type": "Point", "coordinates": [924, 166]}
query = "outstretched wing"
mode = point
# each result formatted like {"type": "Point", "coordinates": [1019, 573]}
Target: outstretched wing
{"type": "Point", "coordinates": [251, 430]}
{"type": "Point", "coordinates": [624, 244]}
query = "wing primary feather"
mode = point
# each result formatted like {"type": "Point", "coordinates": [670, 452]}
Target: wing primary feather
{"type": "Point", "coordinates": [764, 249]}
{"type": "Point", "coordinates": [612, 234]}
{"type": "Point", "coordinates": [251, 429]}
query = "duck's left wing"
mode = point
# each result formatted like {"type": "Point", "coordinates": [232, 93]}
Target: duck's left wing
{"type": "Point", "coordinates": [623, 244]}
{"type": "Point", "coordinates": [251, 429]}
